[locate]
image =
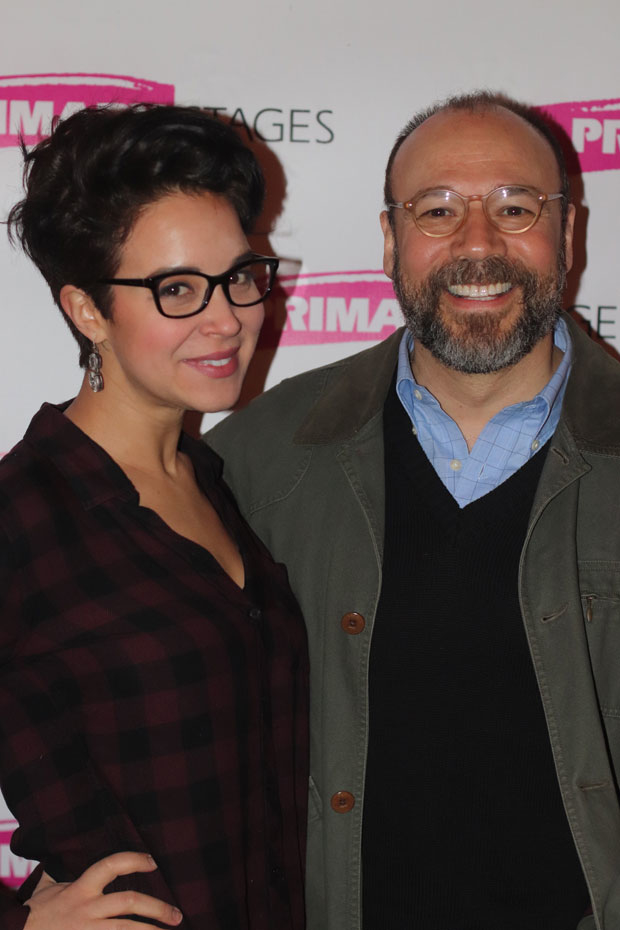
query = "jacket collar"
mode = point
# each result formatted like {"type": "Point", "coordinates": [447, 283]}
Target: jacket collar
{"type": "Point", "coordinates": [357, 387]}
{"type": "Point", "coordinates": [354, 394]}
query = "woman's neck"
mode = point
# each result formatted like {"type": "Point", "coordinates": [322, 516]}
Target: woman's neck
{"type": "Point", "coordinates": [140, 436]}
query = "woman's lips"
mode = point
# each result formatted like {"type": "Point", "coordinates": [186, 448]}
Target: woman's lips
{"type": "Point", "coordinates": [216, 365]}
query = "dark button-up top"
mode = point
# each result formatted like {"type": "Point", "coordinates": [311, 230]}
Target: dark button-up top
{"type": "Point", "coordinates": [146, 701]}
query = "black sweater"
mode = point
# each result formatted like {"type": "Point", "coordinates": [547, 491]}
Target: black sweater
{"type": "Point", "coordinates": [464, 827]}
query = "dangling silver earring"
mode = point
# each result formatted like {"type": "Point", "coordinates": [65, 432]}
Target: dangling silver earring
{"type": "Point", "coordinates": [95, 378]}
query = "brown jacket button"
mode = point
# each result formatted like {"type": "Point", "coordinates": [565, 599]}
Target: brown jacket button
{"type": "Point", "coordinates": [342, 802]}
{"type": "Point", "coordinates": [353, 623]}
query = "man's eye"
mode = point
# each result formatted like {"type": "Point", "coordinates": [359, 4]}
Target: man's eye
{"type": "Point", "coordinates": [515, 210]}
{"type": "Point", "coordinates": [436, 213]}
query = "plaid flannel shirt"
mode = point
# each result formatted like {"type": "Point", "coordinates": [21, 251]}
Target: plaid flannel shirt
{"type": "Point", "coordinates": [147, 702]}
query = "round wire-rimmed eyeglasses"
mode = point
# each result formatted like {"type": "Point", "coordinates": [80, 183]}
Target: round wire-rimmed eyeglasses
{"type": "Point", "coordinates": [184, 293]}
{"type": "Point", "coordinates": [512, 209]}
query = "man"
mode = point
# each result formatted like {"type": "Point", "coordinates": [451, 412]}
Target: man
{"type": "Point", "coordinates": [452, 495]}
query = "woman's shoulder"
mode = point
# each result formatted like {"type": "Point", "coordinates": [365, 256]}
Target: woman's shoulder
{"type": "Point", "coordinates": [18, 468]}
{"type": "Point", "coordinates": [22, 483]}
{"type": "Point", "coordinates": [26, 473]}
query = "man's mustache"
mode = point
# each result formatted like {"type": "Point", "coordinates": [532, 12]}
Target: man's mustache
{"type": "Point", "coordinates": [492, 270]}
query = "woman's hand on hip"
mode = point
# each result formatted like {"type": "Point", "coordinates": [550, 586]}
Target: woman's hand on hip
{"type": "Point", "coordinates": [82, 905]}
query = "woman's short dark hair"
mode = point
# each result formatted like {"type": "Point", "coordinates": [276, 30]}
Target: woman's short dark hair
{"type": "Point", "coordinates": [86, 184]}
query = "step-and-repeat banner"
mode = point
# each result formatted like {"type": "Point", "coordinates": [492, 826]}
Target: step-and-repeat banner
{"type": "Point", "coordinates": [320, 90]}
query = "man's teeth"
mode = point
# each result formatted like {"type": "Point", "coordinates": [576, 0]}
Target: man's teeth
{"type": "Point", "coordinates": [478, 290]}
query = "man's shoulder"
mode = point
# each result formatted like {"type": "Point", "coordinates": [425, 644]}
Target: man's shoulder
{"type": "Point", "coordinates": [289, 399]}
{"type": "Point", "coordinates": [592, 396]}
{"type": "Point", "coordinates": [271, 419]}
{"type": "Point", "coordinates": [256, 445]}
{"type": "Point", "coordinates": [277, 415]}
{"type": "Point", "coordinates": [268, 446]}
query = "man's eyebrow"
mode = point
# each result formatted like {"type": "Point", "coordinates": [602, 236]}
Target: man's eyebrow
{"type": "Point", "coordinates": [429, 190]}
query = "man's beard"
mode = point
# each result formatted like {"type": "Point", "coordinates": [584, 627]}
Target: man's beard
{"type": "Point", "coordinates": [476, 342]}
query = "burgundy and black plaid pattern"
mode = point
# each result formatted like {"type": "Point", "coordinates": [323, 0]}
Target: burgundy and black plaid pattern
{"type": "Point", "coordinates": [146, 702]}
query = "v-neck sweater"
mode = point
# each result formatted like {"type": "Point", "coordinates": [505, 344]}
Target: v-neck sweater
{"type": "Point", "coordinates": [463, 827]}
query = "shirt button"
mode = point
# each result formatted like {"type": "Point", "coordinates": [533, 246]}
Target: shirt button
{"type": "Point", "coordinates": [417, 394]}
{"type": "Point", "coordinates": [414, 431]}
{"type": "Point", "coordinates": [353, 623]}
{"type": "Point", "coordinates": [535, 445]}
{"type": "Point", "coordinates": [456, 464]}
{"type": "Point", "coordinates": [255, 613]}
{"type": "Point", "coordinates": [342, 802]}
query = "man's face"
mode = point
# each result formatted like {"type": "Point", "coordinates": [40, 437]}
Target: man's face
{"type": "Point", "coordinates": [473, 330]}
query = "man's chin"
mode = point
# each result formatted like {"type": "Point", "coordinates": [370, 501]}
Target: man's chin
{"type": "Point", "coordinates": [474, 342]}
{"type": "Point", "coordinates": [473, 358]}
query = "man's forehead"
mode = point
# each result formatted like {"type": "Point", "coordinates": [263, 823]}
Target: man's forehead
{"type": "Point", "coordinates": [491, 141]}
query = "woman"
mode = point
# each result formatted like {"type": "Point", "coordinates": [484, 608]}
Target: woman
{"type": "Point", "coordinates": [152, 657]}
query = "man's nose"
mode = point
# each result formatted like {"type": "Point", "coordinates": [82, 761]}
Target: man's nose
{"type": "Point", "coordinates": [477, 237]}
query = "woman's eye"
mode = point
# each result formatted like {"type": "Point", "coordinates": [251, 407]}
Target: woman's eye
{"type": "Point", "coordinates": [241, 278]}
{"type": "Point", "coordinates": [171, 289]}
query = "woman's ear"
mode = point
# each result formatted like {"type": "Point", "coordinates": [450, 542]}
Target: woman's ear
{"type": "Point", "coordinates": [83, 313]}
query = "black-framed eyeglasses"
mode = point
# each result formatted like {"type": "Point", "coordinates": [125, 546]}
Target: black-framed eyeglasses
{"type": "Point", "coordinates": [513, 209]}
{"type": "Point", "coordinates": [184, 293]}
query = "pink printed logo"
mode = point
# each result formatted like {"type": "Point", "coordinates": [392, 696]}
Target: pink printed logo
{"type": "Point", "coordinates": [13, 869]}
{"type": "Point", "coordinates": [593, 127]}
{"type": "Point", "coordinates": [29, 102]}
{"type": "Point", "coordinates": [338, 306]}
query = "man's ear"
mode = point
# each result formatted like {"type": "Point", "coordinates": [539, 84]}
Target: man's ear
{"type": "Point", "coordinates": [82, 311]}
{"type": "Point", "coordinates": [568, 235]}
{"type": "Point", "coordinates": [388, 243]}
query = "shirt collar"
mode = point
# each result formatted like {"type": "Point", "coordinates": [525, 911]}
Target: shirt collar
{"type": "Point", "coordinates": [86, 466]}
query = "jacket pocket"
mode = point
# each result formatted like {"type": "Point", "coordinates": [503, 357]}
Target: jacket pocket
{"type": "Point", "coordinates": [601, 614]}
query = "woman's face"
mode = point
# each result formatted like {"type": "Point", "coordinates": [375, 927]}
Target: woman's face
{"type": "Point", "coordinates": [196, 363]}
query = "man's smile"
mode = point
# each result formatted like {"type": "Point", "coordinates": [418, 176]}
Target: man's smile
{"type": "Point", "coordinates": [479, 291]}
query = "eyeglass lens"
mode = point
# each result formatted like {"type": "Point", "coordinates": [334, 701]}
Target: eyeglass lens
{"type": "Point", "coordinates": [183, 294]}
{"type": "Point", "coordinates": [511, 209]}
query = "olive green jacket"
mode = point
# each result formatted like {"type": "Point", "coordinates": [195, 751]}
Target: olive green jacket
{"type": "Point", "coordinates": [305, 461]}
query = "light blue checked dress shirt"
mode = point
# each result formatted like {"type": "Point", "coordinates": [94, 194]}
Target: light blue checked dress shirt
{"type": "Point", "coordinates": [507, 441]}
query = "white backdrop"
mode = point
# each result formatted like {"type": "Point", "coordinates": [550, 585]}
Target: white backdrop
{"type": "Point", "coordinates": [328, 85]}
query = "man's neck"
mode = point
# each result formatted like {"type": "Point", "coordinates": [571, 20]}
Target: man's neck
{"type": "Point", "coordinates": [473, 400]}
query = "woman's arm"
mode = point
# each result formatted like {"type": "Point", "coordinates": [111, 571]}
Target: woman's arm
{"type": "Point", "coordinates": [82, 905]}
